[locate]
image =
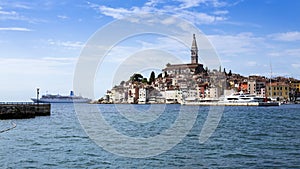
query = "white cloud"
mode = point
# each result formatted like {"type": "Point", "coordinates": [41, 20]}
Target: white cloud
{"type": "Point", "coordinates": [62, 16]}
{"type": "Point", "coordinates": [251, 63]}
{"type": "Point", "coordinates": [221, 12]}
{"type": "Point", "coordinates": [15, 29]}
{"type": "Point", "coordinates": [296, 65]}
{"type": "Point", "coordinates": [29, 67]}
{"type": "Point", "coordinates": [195, 3]}
{"type": "Point", "coordinates": [152, 2]}
{"type": "Point", "coordinates": [183, 10]}
{"type": "Point", "coordinates": [285, 53]}
{"type": "Point", "coordinates": [9, 15]}
{"type": "Point", "coordinates": [66, 44]}
{"type": "Point", "coordinates": [237, 45]}
{"type": "Point", "coordinates": [15, 4]}
{"type": "Point", "coordinates": [287, 36]}
{"type": "Point", "coordinates": [116, 13]}
{"type": "Point", "coordinates": [190, 3]}
{"type": "Point", "coordinates": [293, 52]}
{"type": "Point", "coordinates": [13, 15]}
{"type": "Point", "coordinates": [217, 3]}
{"type": "Point", "coordinates": [8, 12]}
{"type": "Point", "coordinates": [248, 52]}
{"type": "Point", "coordinates": [199, 18]}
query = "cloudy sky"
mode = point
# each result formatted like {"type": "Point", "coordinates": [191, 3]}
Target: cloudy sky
{"type": "Point", "coordinates": [41, 40]}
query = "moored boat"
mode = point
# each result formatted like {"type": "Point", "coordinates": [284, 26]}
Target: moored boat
{"type": "Point", "coordinates": [242, 98]}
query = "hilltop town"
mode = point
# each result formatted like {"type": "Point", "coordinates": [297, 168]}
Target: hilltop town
{"type": "Point", "coordinates": [181, 83]}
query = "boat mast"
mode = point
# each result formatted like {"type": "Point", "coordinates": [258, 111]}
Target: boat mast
{"type": "Point", "coordinates": [271, 80]}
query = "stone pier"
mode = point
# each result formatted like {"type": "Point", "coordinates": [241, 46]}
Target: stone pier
{"type": "Point", "coordinates": [16, 110]}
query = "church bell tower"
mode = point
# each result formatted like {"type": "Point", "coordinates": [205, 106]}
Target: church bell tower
{"type": "Point", "coordinates": [194, 51]}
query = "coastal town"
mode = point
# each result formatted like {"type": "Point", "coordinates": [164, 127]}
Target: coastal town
{"type": "Point", "coordinates": [192, 82]}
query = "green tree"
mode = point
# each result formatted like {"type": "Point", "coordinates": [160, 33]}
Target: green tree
{"type": "Point", "coordinates": [166, 74]}
{"type": "Point", "coordinates": [229, 74]}
{"type": "Point", "coordinates": [136, 77]}
{"type": "Point", "coordinates": [224, 71]}
{"type": "Point", "coordinates": [159, 75]}
{"type": "Point", "coordinates": [152, 77]}
{"type": "Point", "coordinates": [144, 80]}
{"type": "Point", "coordinates": [122, 83]}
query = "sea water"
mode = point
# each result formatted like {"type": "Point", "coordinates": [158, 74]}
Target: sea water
{"type": "Point", "coordinates": [255, 137]}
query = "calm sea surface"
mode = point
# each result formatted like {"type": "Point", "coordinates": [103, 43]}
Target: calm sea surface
{"type": "Point", "coordinates": [246, 137]}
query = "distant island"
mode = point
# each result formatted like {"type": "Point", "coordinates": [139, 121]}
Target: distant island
{"type": "Point", "coordinates": [181, 83]}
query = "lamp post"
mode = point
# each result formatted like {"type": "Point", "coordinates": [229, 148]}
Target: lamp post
{"type": "Point", "coordinates": [37, 95]}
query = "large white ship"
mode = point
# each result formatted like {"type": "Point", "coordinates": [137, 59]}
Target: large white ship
{"type": "Point", "coordinates": [49, 98]}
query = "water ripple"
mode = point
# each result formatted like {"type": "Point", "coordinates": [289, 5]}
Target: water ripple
{"type": "Point", "coordinates": [252, 137]}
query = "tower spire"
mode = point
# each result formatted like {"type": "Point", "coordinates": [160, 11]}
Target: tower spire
{"type": "Point", "coordinates": [194, 51]}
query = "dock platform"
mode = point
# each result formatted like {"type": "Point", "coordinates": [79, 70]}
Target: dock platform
{"type": "Point", "coordinates": [22, 110]}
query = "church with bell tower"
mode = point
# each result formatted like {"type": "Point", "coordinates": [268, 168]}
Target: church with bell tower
{"type": "Point", "coordinates": [194, 51]}
{"type": "Point", "coordinates": [194, 67]}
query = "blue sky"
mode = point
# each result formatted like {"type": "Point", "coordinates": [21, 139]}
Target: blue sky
{"type": "Point", "coordinates": [41, 40]}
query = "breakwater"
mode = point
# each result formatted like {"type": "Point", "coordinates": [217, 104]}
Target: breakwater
{"type": "Point", "coordinates": [21, 110]}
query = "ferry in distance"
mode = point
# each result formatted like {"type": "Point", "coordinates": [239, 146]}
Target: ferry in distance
{"type": "Point", "coordinates": [49, 98]}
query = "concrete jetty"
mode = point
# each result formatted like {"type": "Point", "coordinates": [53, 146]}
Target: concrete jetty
{"type": "Point", "coordinates": [22, 110]}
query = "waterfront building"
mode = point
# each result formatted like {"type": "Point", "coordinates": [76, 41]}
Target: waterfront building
{"type": "Point", "coordinates": [143, 95]}
{"type": "Point", "coordinates": [262, 92]}
{"type": "Point", "coordinates": [201, 90]}
{"type": "Point", "coordinates": [213, 93]}
{"type": "Point", "coordinates": [119, 94]}
{"type": "Point", "coordinates": [256, 84]}
{"type": "Point", "coordinates": [133, 93]}
{"type": "Point", "coordinates": [278, 90]}
{"type": "Point", "coordinates": [243, 86]}
{"type": "Point", "coordinates": [173, 96]}
{"type": "Point", "coordinates": [295, 85]}
{"type": "Point", "coordinates": [229, 92]}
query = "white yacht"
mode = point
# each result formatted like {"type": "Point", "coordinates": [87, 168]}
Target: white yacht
{"type": "Point", "coordinates": [242, 98]}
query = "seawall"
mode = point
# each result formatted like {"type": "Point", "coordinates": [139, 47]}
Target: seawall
{"type": "Point", "coordinates": [23, 110]}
